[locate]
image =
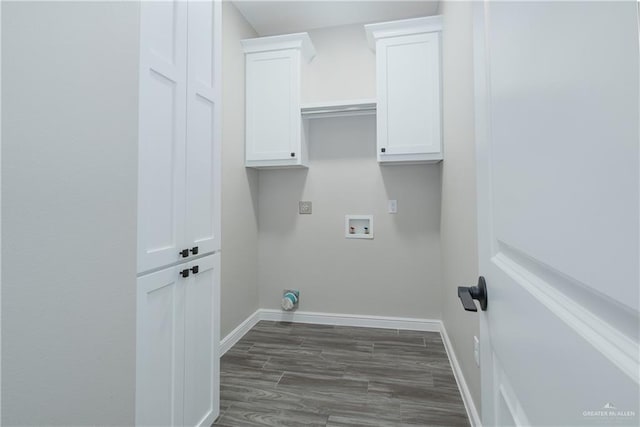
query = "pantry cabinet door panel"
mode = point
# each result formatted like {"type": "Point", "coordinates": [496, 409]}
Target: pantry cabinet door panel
{"type": "Point", "coordinates": [202, 302]}
{"type": "Point", "coordinates": [203, 129]}
{"type": "Point", "coordinates": [162, 121]}
{"type": "Point", "coordinates": [160, 349]}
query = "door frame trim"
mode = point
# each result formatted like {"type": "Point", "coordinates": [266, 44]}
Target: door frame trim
{"type": "Point", "coordinates": [482, 111]}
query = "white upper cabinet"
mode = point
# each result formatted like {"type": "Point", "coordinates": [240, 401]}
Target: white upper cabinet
{"type": "Point", "coordinates": [275, 136]}
{"type": "Point", "coordinates": [179, 152]}
{"type": "Point", "coordinates": [408, 89]}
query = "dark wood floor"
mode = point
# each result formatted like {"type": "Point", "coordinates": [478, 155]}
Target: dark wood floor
{"type": "Point", "coordinates": [294, 374]}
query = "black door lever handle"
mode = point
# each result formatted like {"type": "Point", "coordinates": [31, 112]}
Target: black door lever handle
{"type": "Point", "coordinates": [465, 297]}
{"type": "Point", "coordinates": [468, 294]}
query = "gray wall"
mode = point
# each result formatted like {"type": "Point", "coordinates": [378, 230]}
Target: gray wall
{"type": "Point", "coordinates": [69, 161]}
{"type": "Point", "coordinates": [239, 271]}
{"type": "Point", "coordinates": [343, 68]}
{"type": "Point", "coordinates": [458, 226]}
{"type": "Point", "coordinates": [395, 274]}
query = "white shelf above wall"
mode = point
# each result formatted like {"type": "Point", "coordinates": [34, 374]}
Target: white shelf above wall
{"type": "Point", "coordinates": [355, 107]}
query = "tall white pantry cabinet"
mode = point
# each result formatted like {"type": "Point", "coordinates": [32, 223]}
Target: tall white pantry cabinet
{"type": "Point", "coordinates": [178, 289]}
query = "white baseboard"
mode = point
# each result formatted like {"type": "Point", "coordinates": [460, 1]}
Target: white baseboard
{"type": "Point", "coordinates": [359, 320]}
{"type": "Point", "coordinates": [234, 336]}
{"type": "Point", "coordinates": [472, 411]}
{"type": "Point", "coordinates": [406, 323]}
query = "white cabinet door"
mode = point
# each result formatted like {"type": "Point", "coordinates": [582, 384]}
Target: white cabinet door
{"type": "Point", "coordinates": [160, 348]}
{"type": "Point", "coordinates": [202, 335]}
{"type": "Point", "coordinates": [202, 228]}
{"type": "Point", "coordinates": [273, 123]}
{"type": "Point", "coordinates": [178, 335]}
{"type": "Point", "coordinates": [408, 86]}
{"type": "Point", "coordinates": [162, 128]}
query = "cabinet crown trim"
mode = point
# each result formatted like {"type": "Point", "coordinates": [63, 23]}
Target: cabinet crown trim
{"type": "Point", "coordinates": [300, 41]}
{"type": "Point", "coordinates": [403, 27]}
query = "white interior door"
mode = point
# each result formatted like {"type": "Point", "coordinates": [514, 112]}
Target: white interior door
{"type": "Point", "coordinates": [558, 183]}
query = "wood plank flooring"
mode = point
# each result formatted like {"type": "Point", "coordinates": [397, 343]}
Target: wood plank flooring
{"type": "Point", "coordinates": [294, 374]}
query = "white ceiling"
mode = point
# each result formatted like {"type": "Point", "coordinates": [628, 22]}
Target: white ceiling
{"type": "Point", "coordinates": [282, 17]}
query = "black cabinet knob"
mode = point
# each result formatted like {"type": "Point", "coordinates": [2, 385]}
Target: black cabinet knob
{"type": "Point", "coordinates": [383, 150]}
{"type": "Point", "coordinates": [293, 154]}
{"type": "Point", "coordinates": [184, 253]}
{"type": "Point", "coordinates": [478, 292]}
{"type": "Point", "coordinates": [195, 269]}
{"type": "Point", "coordinates": [194, 250]}
{"type": "Point", "coordinates": [185, 272]}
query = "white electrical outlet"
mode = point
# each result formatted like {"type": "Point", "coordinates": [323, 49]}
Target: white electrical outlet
{"type": "Point", "coordinates": [476, 350]}
{"type": "Point", "coordinates": [393, 206]}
